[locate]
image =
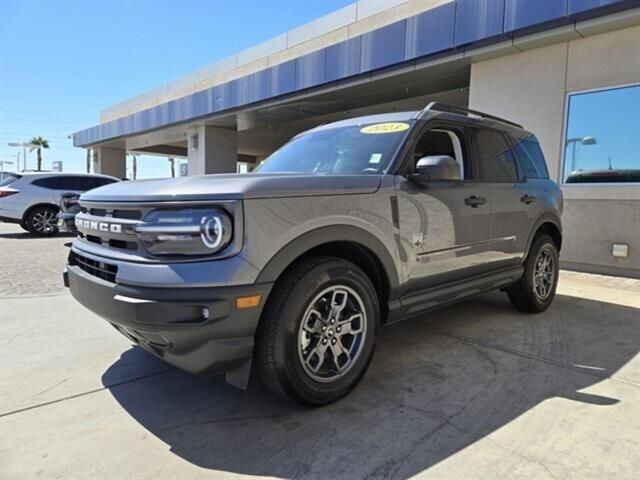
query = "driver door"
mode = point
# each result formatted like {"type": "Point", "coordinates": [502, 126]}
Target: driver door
{"type": "Point", "coordinates": [444, 225]}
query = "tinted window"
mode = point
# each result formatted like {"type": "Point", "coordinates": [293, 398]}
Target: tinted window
{"type": "Point", "coordinates": [52, 182]}
{"type": "Point", "coordinates": [601, 139]}
{"type": "Point", "coordinates": [78, 183]}
{"type": "Point", "coordinates": [530, 157]}
{"type": "Point", "coordinates": [496, 162]}
{"type": "Point", "coordinates": [95, 182]}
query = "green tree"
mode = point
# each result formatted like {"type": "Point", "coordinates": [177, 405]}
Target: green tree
{"type": "Point", "coordinates": [40, 144]}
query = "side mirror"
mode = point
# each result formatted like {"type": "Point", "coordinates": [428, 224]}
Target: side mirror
{"type": "Point", "coordinates": [435, 168]}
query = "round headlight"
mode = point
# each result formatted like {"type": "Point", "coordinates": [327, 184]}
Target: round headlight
{"type": "Point", "coordinates": [215, 230]}
{"type": "Point", "coordinates": [196, 231]}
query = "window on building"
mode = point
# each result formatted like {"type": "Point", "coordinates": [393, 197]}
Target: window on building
{"type": "Point", "coordinates": [602, 136]}
{"type": "Point", "coordinates": [496, 162]}
{"type": "Point", "coordinates": [529, 156]}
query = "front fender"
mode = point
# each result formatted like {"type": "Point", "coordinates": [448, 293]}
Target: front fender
{"type": "Point", "coordinates": [319, 236]}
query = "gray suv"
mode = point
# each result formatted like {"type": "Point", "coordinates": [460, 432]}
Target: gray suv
{"type": "Point", "coordinates": [348, 227]}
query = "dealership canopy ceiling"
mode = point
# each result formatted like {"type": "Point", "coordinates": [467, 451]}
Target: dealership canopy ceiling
{"type": "Point", "coordinates": [365, 54]}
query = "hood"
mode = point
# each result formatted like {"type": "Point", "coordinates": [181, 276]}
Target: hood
{"type": "Point", "coordinates": [235, 186]}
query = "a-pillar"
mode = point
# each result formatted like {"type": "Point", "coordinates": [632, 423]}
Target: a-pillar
{"type": "Point", "coordinates": [212, 150]}
{"type": "Point", "coordinates": [110, 161]}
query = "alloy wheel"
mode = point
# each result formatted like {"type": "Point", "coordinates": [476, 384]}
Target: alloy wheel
{"type": "Point", "coordinates": [544, 274]}
{"type": "Point", "coordinates": [44, 221]}
{"type": "Point", "coordinates": [331, 334]}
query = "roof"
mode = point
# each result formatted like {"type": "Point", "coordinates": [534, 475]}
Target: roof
{"type": "Point", "coordinates": [56, 174]}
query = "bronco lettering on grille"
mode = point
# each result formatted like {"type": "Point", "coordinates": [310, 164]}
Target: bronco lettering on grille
{"type": "Point", "coordinates": [101, 226]}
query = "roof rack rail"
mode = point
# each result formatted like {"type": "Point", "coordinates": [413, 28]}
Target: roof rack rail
{"type": "Point", "coordinates": [447, 108]}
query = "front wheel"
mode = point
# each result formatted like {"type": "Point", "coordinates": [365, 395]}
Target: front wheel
{"type": "Point", "coordinates": [318, 331]}
{"type": "Point", "coordinates": [537, 288]}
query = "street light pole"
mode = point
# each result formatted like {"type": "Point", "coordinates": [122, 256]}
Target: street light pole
{"type": "Point", "coordinates": [24, 146]}
{"type": "Point", "coordinates": [574, 144]}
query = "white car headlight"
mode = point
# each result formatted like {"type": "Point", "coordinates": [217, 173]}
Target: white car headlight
{"type": "Point", "coordinates": [197, 231]}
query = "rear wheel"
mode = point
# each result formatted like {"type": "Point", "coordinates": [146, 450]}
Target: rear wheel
{"type": "Point", "coordinates": [318, 331]}
{"type": "Point", "coordinates": [537, 288]}
{"type": "Point", "coordinates": [42, 221]}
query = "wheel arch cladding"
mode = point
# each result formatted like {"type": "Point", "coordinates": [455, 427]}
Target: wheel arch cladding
{"type": "Point", "coordinates": [349, 243]}
{"type": "Point", "coordinates": [549, 224]}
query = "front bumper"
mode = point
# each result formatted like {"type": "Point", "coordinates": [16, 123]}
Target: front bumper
{"type": "Point", "coordinates": [199, 329]}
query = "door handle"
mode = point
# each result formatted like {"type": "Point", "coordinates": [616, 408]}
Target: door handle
{"type": "Point", "coordinates": [474, 201]}
{"type": "Point", "coordinates": [526, 198]}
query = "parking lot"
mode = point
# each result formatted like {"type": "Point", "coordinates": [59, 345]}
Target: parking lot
{"type": "Point", "coordinates": [472, 391]}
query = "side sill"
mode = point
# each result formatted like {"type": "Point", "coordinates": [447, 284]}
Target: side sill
{"type": "Point", "coordinates": [447, 294]}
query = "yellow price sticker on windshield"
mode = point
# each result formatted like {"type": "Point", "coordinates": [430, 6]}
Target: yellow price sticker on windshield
{"type": "Point", "coordinates": [390, 127]}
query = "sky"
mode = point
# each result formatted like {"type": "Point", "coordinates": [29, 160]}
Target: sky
{"type": "Point", "coordinates": [62, 62]}
{"type": "Point", "coordinates": [611, 118]}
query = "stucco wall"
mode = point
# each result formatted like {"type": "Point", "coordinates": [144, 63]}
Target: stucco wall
{"type": "Point", "coordinates": [592, 226]}
{"type": "Point", "coordinates": [531, 88]}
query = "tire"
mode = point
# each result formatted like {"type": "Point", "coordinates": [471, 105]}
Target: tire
{"type": "Point", "coordinates": [297, 340]}
{"type": "Point", "coordinates": [527, 295]}
{"type": "Point", "coordinates": [24, 226]}
{"type": "Point", "coordinates": [42, 221]}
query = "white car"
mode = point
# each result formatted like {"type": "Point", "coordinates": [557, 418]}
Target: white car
{"type": "Point", "coordinates": [32, 200]}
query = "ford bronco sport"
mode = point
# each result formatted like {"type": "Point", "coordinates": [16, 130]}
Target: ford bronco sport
{"type": "Point", "coordinates": [349, 226]}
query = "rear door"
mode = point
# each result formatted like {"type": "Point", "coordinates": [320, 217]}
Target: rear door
{"type": "Point", "coordinates": [444, 225]}
{"type": "Point", "coordinates": [511, 201]}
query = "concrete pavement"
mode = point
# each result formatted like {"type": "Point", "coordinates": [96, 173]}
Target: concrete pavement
{"type": "Point", "coordinates": [30, 265]}
{"type": "Point", "coordinates": [476, 390]}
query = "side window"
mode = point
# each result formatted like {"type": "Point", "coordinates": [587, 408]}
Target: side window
{"type": "Point", "coordinates": [100, 182]}
{"type": "Point", "coordinates": [66, 183]}
{"type": "Point", "coordinates": [51, 182]}
{"type": "Point", "coordinates": [442, 141]}
{"type": "Point", "coordinates": [496, 161]}
{"type": "Point", "coordinates": [85, 183]}
{"type": "Point", "coordinates": [530, 157]}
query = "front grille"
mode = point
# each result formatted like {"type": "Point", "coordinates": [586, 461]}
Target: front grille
{"type": "Point", "coordinates": [102, 270]}
{"type": "Point", "coordinates": [113, 243]}
{"type": "Point", "coordinates": [108, 214]}
{"type": "Point", "coordinates": [128, 214]}
{"type": "Point", "coordinates": [103, 212]}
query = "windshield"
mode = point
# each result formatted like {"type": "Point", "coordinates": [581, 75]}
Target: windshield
{"type": "Point", "coordinates": [8, 179]}
{"type": "Point", "coordinates": [350, 150]}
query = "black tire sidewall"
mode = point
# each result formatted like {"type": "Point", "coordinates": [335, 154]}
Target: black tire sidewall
{"type": "Point", "coordinates": [316, 280]}
{"type": "Point", "coordinates": [543, 242]}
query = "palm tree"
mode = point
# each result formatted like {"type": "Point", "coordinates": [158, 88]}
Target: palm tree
{"type": "Point", "coordinates": [40, 144]}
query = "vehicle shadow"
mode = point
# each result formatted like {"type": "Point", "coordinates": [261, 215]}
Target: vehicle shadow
{"type": "Point", "coordinates": [30, 236]}
{"type": "Point", "coordinates": [437, 385]}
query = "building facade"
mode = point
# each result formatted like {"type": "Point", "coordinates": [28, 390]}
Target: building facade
{"type": "Point", "coordinates": [568, 70]}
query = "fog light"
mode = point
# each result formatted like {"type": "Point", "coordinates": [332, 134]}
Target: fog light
{"type": "Point", "coordinates": [205, 313]}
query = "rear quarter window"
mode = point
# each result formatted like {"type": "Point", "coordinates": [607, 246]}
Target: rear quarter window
{"type": "Point", "coordinates": [495, 159]}
{"type": "Point", "coordinates": [530, 157]}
